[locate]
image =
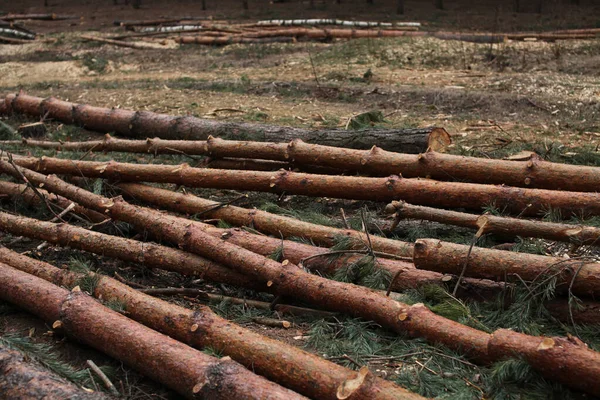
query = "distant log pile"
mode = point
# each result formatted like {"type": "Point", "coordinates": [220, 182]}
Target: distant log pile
{"type": "Point", "coordinates": [258, 253]}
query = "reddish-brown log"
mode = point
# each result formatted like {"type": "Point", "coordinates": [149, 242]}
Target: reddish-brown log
{"type": "Point", "coordinates": [416, 191]}
{"type": "Point", "coordinates": [24, 379]}
{"type": "Point", "coordinates": [145, 124]}
{"type": "Point", "coordinates": [287, 279]}
{"type": "Point", "coordinates": [581, 276]}
{"type": "Point", "coordinates": [288, 365]}
{"type": "Point", "coordinates": [182, 368]}
{"type": "Point", "coordinates": [17, 191]}
{"type": "Point", "coordinates": [534, 173]}
{"type": "Point", "coordinates": [583, 312]}
{"type": "Point", "coordinates": [149, 254]}
{"type": "Point", "coordinates": [578, 234]}
{"type": "Point", "coordinates": [120, 43]}
{"type": "Point", "coordinates": [284, 278]}
{"type": "Point", "coordinates": [226, 40]}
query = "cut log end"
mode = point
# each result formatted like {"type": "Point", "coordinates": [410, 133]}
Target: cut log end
{"type": "Point", "coordinates": [439, 140]}
{"type": "Point", "coordinates": [349, 387]}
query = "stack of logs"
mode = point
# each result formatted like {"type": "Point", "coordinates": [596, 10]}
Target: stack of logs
{"type": "Point", "coordinates": [157, 337]}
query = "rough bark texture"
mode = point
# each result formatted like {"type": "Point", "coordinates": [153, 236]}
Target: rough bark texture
{"type": "Point", "coordinates": [226, 40]}
{"type": "Point", "coordinates": [288, 365]}
{"type": "Point", "coordinates": [406, 275]}
{"type": "Point", "coordinates": [149, 254]}
{"type": "Point", "coordinates": [185, 370]}
{"type": "Point", "coordinates": [143, 124]}
{"type": "Point", "coordinates": [287, 279]}
{"type": "Point", "coordinates": [578, 234]}
{"type": "Point", "coordinates": [416, 191]}
{"type": "Point", "coordinates": [16, 191]}
{"type": "Point", "coordinates": [25, 379]}
{"type": "Point", "coordinates": [434, 255]}
{"type": "Point", "coordinates": [533, 173]}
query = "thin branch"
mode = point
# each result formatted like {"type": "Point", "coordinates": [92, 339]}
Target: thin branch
{"type": "Point", "coordinates": [111, 388]}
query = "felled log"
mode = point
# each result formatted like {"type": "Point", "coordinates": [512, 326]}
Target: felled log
{"type": "Point", "coordinates": [578, 234]}
{"type": "Point", "coordinates": [581, 277]}
{"type": "Point", "coordinates": [470, 37]}
{"type": "Point", "coordinates": [226, 40]}
{"type": "Point", "coordinates": [534, 173]}
{"type": "Point", "coordinates": [16, 33]}
{"type": "Point", "coordinates": [147, 124]}
{"type": "Point", "coordinates": [550, 37]}
{"type": "Point", "coordinates": [361, 24]}
{"type": "Point", "coordinates": [321, 33]}
{"type": "Point", "coordinates": [133, 45]}
{"type": "Point", "coordinates": [23, 192]}
{"type": "Point", "coordinates": [556, 358]}
{"type": "Point", "coordinates": [288, 365]}
{"type": "Point", "coordinates": [147, 22]}
{"type": "Point", "coordinates": [174, 364]}
{"type": "Point", "coordinates": [416, 191]}
{"type": "Point", "coordinates": [278, 225]}
{"type": "Point", "coordinates": [42, 17]}
{"type": "Point", "coordinates": [24, 379]}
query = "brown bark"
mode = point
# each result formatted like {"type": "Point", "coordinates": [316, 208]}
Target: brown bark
{"type": "Point", "coordinates": [470, 37]}
{"type": "Point", "coordinates": [174, 364]}
{"type": "Point", "coordinates": [534, 173]}
{"type": "Point", "coordinates": [144, 124]}
{"type": "Point", "coordinates": [149, 254]}
{"type": "Point", "coordinates": [226, 40]}
{"type": "Point", "coordinates": [284, 278]}
{"type": "Point", "coordinates": [133, 45]}
{"type": "Point", "coordinates": [578, 234]}
{"type": "Point", "coordinates": [581, 276]}
{"type": "Point", "coordinates": [584, 312]}
{"type": "Point", "coordinates": [550, 37]}
{"type": "Point", "coordinates": [43, 17]}
{"type": "Point", "coordinates": [406, 275]}
{"type": "Point", "coordinates": [24, 379]}
{"type": "Point", "coordinates": [325, 33]}
{"type": "Point", "coordinates": [21, 191]}
{"type": "Point", "coordinates": [287, 279]}
{"type": "Point", "coordinates": [416, 191]}
{"type": "Point", "coordinates": [288, 365]}
{"type": "Point", "coordinates": [146, 22]}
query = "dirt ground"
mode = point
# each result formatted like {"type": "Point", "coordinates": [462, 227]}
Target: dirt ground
{"type": "Point", "coordinates": [484, 95]}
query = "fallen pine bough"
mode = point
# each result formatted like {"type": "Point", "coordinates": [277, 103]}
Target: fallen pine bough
{"type": "Point", "coordinates": [176, 365]}
{"type": "Point", "coordinates": [576, 234]}
{"type": "Point", "coordinates": [144, 124]}
{"type": "Point", "coordinates": [569, 362]}
{"type": "Point", "coordinates": [288, 365]}
{"type": "Point", "coordinates": [417, 191]}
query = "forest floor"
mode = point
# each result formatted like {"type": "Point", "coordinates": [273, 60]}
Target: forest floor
{"type": "Point", "coordinates": [495, 100]}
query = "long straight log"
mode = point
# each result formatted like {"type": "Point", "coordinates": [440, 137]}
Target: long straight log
{"type": "Point", "coordinates": [580, 276]}
{"type": "Point", "coordinates": [577, 234]}
{"type": "Point", "coordinates": [534, 173]}
{"type": "Point", "coordinates": [556, 358]}
{"type": "Point", "coordinates": [24, 192]}
{"type": "Point", "coordinates": [42, 17]}
{"type": "Point", "coordinates": [288, 365]}
{"type": "Point", "coordinates": [143, 124]}
{"type": "Point", "coordinates": [133, 45]}
{"type": "Point", "coordinates": [156, 256]}
{"type": "Point", "coordinates": [24, 379]}
{"type": "Point", "coordinates": [227, 40]}
{"type": "Point", "coordinates": [17, 33]}
{"type": "Point", "coordinates": [416, 191]}
{"type": "Point", "coordinates": [184, 369]}
{"type": "Point", "coordinates": [4, 39]}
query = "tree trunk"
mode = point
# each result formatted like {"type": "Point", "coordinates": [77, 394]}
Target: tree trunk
{"type": "Point", "coordinates": [289, 365]}
{"type": "Point", "coordinates": [516, 6]}
{"type": "Point", "coordinates": [17, 33]}
{"type": "Point", "coordinates": [439, 4]}
{"type": "Point", "coordinates": [245, 4]}
{"type": "Point", "coordinates": [4, 39]}
{"type": "Point", "coordinates": [551, 37]}
{"type": "Point", "coordinates": [577, 234]}
{"type": "Point", "coordinates": [571, 363]}
{"type": "Point", "coordinates": [227, 40]}
{"type": "Point", "coordinates": [133, 45]}
{"type": "Point", "coordinates": [203, 5]}
{"type": "Point", "coordinates": [416, 191]}
{"type": "Point", "coordinates": [24, 379]}
{"type": "Point", "coordinates": [580, 276]}
{"type": "Point", "coordinates": [185, 370]}
{"type": "Point", "coordinates": [146, 124]}
{"type": "Point", "coordinates": [534, 173]}
{"type": "Point", "coordinates": [43, 17]}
